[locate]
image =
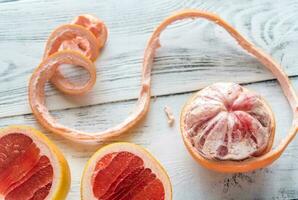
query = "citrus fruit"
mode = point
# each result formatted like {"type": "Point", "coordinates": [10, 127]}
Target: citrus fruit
{"type": "Point", "coordinates": [31, 167]}
{"type": "Point", "coordinates": [226, 121]}
{"type": "Point", "coordinates": [124, 171]}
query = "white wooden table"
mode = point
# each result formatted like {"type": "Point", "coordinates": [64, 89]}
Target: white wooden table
{"type": "Point", "coordinates": [194, 54]}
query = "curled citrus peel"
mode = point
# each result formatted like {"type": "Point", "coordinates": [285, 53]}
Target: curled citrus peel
{"type": "Point", "coordinates": [72, 37]}
{"type": "Point", "coordinates": [86, 35]}
{"type": "Point", "coordinates": [94, 32]}
{"type": "Point", "coordinates": [94, 25]}
{"type": "Point", "coordinates": [37, 101]}
{"type": "Point", "coordinates": [46, 70]}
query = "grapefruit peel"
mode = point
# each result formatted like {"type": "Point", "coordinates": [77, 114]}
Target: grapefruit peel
{"type": "Point", "coordinates": [87, 35]}
{"type": "Point", "coordinates": [47, 70]}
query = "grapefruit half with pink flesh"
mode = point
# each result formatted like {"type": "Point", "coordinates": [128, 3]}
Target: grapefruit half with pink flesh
{"type": "Point", "coordinates": [125, 171]}
{"type": "Point", "coordinates": [31, 166]}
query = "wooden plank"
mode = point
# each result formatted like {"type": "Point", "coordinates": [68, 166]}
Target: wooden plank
{"type": "Point", "coordinates": [194, 54]}
{"type": "Point", "coordinates": [190, 181]}
{"type": "Point", "coordinates": [188, 60]}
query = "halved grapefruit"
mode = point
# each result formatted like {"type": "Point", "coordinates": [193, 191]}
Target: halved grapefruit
{"type": "Point", "coordinates": [125, 171]}
{"type": "Point", "coordinates": [31, 166]}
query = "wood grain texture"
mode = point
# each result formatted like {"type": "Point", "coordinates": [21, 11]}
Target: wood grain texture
{"type": "Point", "coordinates": [193, 55]}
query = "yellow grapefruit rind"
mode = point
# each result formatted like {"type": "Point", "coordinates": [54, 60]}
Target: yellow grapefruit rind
{"type": "Point", "coordinates": [220, 165]}
{"type": "Point", "coordinates": [62, 188]}
{"type": "Point", "coordinates": [149, 156]}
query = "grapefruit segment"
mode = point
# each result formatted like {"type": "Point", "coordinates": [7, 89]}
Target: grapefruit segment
{"type": "Point", "coordinates": [109, 174]}
{"type": "Point", "coordinates": [133, 167]}
{"type": "Point", "coordinates": [43, 162]}
{"type": "Point", "coordinates": [124, 171]}
{"type": "Point", "coordinates": [33, 185]}
{"type": "Point", "coordinates": [31, 167]}
{"type": "Point", "coordinates": [154, 191]}
{"type": "Point", "coordinates": [14, 172]}
{"type": "Point", "coordinates": [41, 193]}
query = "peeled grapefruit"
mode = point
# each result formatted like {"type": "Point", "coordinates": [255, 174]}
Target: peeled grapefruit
{"type": "Point", "coordinates": [31, 166]}
{"type": "Point", "coordinates": [124, 171]}
{"type": "Point", "coordinates": [227, 122]}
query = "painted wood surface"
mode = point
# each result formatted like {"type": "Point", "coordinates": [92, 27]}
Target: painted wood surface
{"type": "Point", "coordinates": [193, 55]}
